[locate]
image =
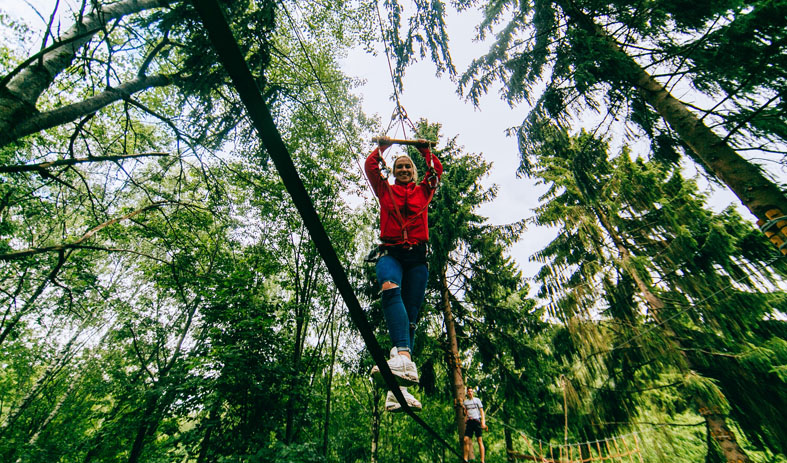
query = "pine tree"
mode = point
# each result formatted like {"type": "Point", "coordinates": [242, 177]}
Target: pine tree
{"type": "Point", "coordinates": [637, 236]}
{"type": "Point", "coordinates": [469, 270]}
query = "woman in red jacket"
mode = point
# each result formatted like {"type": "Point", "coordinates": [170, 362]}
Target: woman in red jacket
{"type": "Point", "coordinates": [401, 268]}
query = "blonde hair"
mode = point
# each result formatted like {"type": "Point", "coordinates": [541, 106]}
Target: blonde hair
{"type": "Point", "coordinates": [415, 169]}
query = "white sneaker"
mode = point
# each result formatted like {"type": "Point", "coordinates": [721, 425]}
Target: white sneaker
{"type": "Point", "coordinates": [393, 405]}
{"type": "Point", "coordinates": [402, 367]}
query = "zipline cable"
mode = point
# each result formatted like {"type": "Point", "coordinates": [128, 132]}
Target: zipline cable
{"type": "Point", "coordinates": [226, 47]}
{"type": "Point", "coordinates": [682, 311]}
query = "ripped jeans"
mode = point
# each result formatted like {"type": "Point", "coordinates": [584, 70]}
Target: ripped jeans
{"type": "Point", "coordinates": [401, 305]}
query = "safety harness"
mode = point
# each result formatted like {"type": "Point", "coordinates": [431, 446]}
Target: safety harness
{"type": "Point", "coordinates": [431, 182]}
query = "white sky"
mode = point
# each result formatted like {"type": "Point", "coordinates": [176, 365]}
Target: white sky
{"type": "Point", "coordinates": [427, 96]}
{"type": "Point", "coordinates": [480, 131]}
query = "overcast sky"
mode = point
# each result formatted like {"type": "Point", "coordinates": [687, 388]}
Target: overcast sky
{"type": "Point", "coordinates": [479, 130]}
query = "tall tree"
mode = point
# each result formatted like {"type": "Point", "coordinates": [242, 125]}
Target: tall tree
{"type": "Point", "coordinates": [601, 48]}
{"type": "Point", "coordinates": [467, 255]}
{"type": "Point", "coordinates": [690, 268]}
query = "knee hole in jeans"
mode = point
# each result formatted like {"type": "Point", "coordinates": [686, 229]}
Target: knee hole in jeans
{"type": "Point", "coordinates": [389, 285]}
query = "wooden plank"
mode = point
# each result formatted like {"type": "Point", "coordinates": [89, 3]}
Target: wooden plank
{"type": "Point", "coordinates": [397, 141]}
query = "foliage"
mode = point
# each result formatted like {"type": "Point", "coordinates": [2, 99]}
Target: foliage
{"type": "Point", "coordinates": [634, 234]}
{"type": "Point", "coordinates": [161, 300]}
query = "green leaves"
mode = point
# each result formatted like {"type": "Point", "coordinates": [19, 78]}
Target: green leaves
{"type": "Point", "coordinates": [655, 285]}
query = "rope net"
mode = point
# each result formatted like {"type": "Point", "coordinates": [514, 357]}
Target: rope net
{"type": "Point", "coordinates": [616, 449]}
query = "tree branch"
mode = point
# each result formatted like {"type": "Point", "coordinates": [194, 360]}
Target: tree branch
{"type": "Point", "coordinates": [30, 82]}
{"type": "Point", "coordinates": [47, 120]}
{"type": "Point", "coordinates": [76, 244]}
{"type": "Point", "coordinates": [70, 162]}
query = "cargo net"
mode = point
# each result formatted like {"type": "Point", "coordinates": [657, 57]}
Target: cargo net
{"type": "Point", "coordinates": [617, 449]}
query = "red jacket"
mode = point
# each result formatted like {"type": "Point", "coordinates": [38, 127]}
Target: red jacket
{"type": "Point", "coordinates": [410, 199]}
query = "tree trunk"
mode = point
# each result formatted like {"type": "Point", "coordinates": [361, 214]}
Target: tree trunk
{"type": "Point", "coordinates": [327, 422]}
{"type": "Point", "coordinates": [509, 445]}
{"type": "Point", "coordinates": [304, 278]}
{"type": "Point", "coordinates": [716, 422]}
{"type": "Point", "coordinates": [213, 420]}
{"type": "Point", "coordinates": [746, 180]}
{"type": "Point", "coordinates": [295, 378]}
{"type": "Point", "coordinates": [721, 434]}
{"type": "Point", "coordinates": [21, 91]}
{"type": "Point", "coordinates": [95, 442]}
{"type": "Point", "coordinates": [376, 396]}
{"type": "Point", "coordinates": [156, 404]}
{"type": "Point", "coordinates": [452, 361]}
{"type": "Point", "coordinates": [759, 194]}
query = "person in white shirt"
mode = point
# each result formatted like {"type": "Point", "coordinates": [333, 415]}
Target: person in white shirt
{"type": "Point", "coordinates": [475, 423]}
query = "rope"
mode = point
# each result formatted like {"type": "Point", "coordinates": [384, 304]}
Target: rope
{"type": "Point", "coordinates": [226, 47]}
{"type": "Point", "coordinates": [390, 67]}
{"type": "Point", "coordinates": [578, 444]}
{"type": "Point", "coordinates": [399, 111]}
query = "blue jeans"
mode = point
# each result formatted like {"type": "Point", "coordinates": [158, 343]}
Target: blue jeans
{"type": "Point", "coordinates": [401, 305]}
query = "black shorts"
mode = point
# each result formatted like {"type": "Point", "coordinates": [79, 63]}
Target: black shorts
{"type": "Point", "coordinates": [473, 427]}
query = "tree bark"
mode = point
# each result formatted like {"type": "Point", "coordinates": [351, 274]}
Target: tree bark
{"type": "Point", "coordinates": [721, 434]}
{"type": "Point", "coordinates": [452, 361]}
{"type": "Point", "coordinates": [376, 396]}
{"type": "Point", "coordinates": [764, 199]}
